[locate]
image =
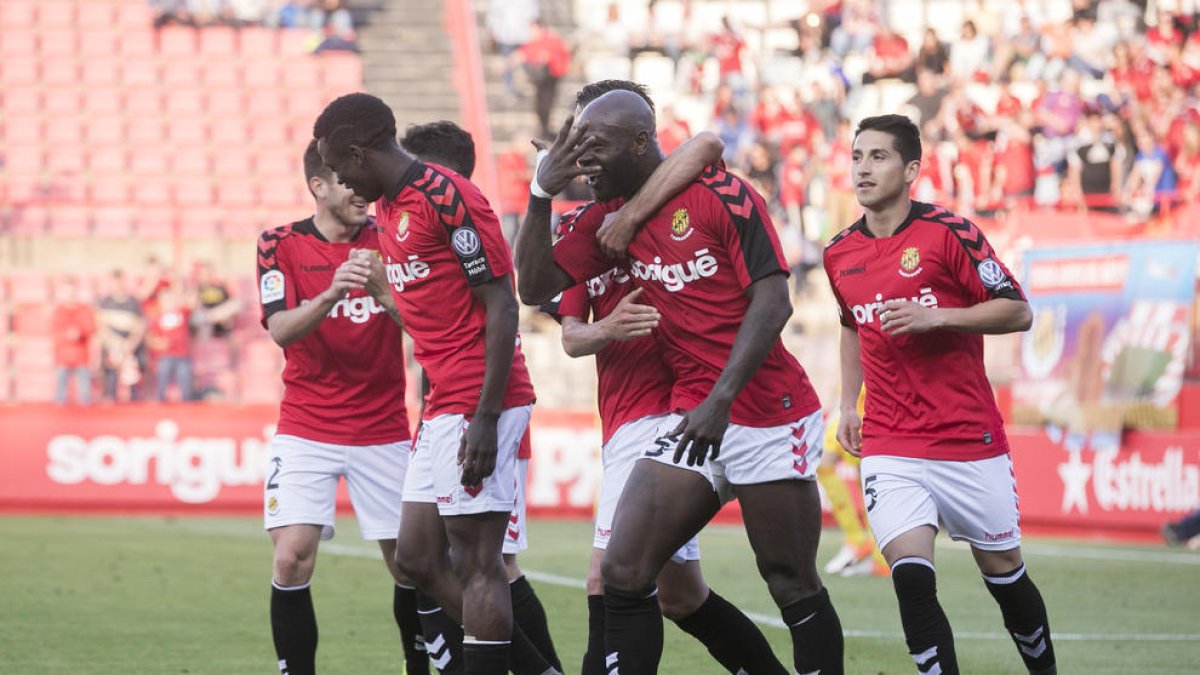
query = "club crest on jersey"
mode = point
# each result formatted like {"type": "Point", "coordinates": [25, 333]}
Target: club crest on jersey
{"type": "Point", "coordinates": [402, 227]}
{"type": "Point", "coordinates": [681, 226]}
{"type": "Point", "coordinates": [910, 262]}
{"type": "Point", "coordinates": [273, 506]}
{"type": "Point", "coordinates": [465, 241]}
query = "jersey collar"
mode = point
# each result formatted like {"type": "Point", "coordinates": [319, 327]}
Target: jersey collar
{"type": "Point", "coordinates": [915, 210]}
{"type": "Point", "coordinates": [415, 171]}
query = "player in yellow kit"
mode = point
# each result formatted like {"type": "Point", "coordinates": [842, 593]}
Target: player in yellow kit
{"type": "Point", "coordinates": [859, 555]}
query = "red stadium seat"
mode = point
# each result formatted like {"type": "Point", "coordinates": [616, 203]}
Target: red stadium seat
{"type": "Point", "coordinates": [218, 41]}
{"type": "Point", "coordinates": [242, 223]}
{"type": "Point", "coordinates": [189, 161]}
{"type": "Point", "coordinates": [96, 15]}
{"type": "Point", "coordinates": [140, 72]}
{"type": "Point", "coordinates": [101, 73]}
{"type": "Point", "coordinates": [303, 72]}
{"type": "Point", "coordinates": [21, 189]}
{"type": "Point", "coordinates": [177, 41]}
{"type": "Point", "coordinates": [60, 71]}
{"type": "Point", "coordinates": [96, 42]}
{"type": "Point", "coordinates": [224, 102]}
{"type": "Point", "coordinates": [34, 350]}
{"type": "Point", "coordinates": [135, 16]}
{"type": "Point", "coordinates": [236, 193]}
{"type": "Point", "coordinates": [115, 222]}
{"type": "Point", "coordinates": [279, 164]}
{"type": "Point", "coordinates": [218, 73]}
{"type": "Point", "coordinates": [144, 132]}
{"type": "Point", "coordinates": [228, 130]}
{"type": "Point", "coordinates": [22, 128]}
{"type": "Point", "coordinates": [101, 100]}
{"type": "Point", "coordinates": [261, 73]}
{"type": "Point", "coordinates": [154, 222]}
{"type": "Point", "coordinates": [35, 386]}
{"type": "Point", "coordinates": [152, 190]}
{"type": "Point", "coordinates": [70, 158]}
{"type": "Point", "coordinates": [18, 43]}
{"type": "Point", "coordinates": [57, 42]}
{"type": "Point", "coordinates": [285, 192]}
{"type": "Point", "coordinates": [259, 354]}
{"type": "Point", "coordinates": [105, 129]}
{"type": "Point", "coordinates": [297, 42]}
{"type": "Point", "coordinates": [185, 102]}
{"type": "Point", "coordinates": [264, 387]}
{"type": "Point", "coordinates": [61, 100]}
{"type": "Point", "coordinates": [257, 42]}
{"type": "Point", "coordinates": [193, 193]}
{"type": "Point", "coordinates": [269, 132]}
{"type": "Point", "coordinates": [29, 221]}
{"type": "Point", "coordinates": [138, 43]}
{"type": "Point", "coordinates": [107, 158]}
{"type": "Point", "coordinates": [264, 103]}
{"type": "Point", "coordinates": [63, 130]}
{"type": "Point", "coordinates": [70, 221]}
{"type": "Point", "coordinates": [22, 100]}
{"type": "Point", "coordinates": [187, 130]}
{"type": "Point", "coordinates": [150, 160]}
{"type": "Point", "coordinates": [29, 286]}
{"type": "Point", "coordinates": [56, 13]}
{"type": "Point", "coordinates": [180, 74]}
{"type": "Point", "coordinates": [17, 70]}
{"type": "Point", "coordinates": [109, 189]}
{"type": "Point", "coordinates": [304, 104]}
{"type": "Point", "coordinates": [142, 103]}
{"type": "Point", "coordinates": [18, 15]}
{"type": "Point", "coordinates": [200, 222]}
{"type": "Point", "coordinates": [341, 71]}
{"type": "Point", "coordinates": [232, 162]}
{"type": "Point", "coordinates": [19, 158]}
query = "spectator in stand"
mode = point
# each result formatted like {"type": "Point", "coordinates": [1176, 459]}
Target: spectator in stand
{"type": "Point", "coordinates": [928, 99]}
{"type": "Point", "coordinates": [216, 308]}
{"type": "Point", "coordinates": [673, 131]}
{"type": "Point", "coordinates": [932, 57]}
{"type": "Point", "coordinates": [337, 25]}
{"type": "Point", "coordinates": [121, 329]}
{"type": "Point", "coordinates": [1187, 165]}
{"type": "Point", "coordinates": [768, 114]}
{"type": "Point", "coordinates": [889, 58]}
{"type": "Point", "coordinates": [547, 59]}
{"type": "Point", "coordinates": [1152, 181]}
{"type": "Point", "coordinates": [969, 54]}
{"type": "Point", "coordinates": [74, 325]}
{"type": "Point", "coordinates": [153, 280]}
{"type": "Point", "coordinates": [856, 29]}
{"type": "Point", "coordinates": [793, 186]}
{"type": "Point", "coordinates": [1014, 177]}
{"type": "Point", "coordinates": [1092, 47]}
{"type": "Point", "coordinates": [735, 132]}
{"type": "Point", "coordinates": [170, 343]}
{"type": "Point", "coordinates": [508, 23]}
{"type": "Point", "coordinates": [1020, 48]}
{"type": "Point", "coordinates": [762, 171]}
{"type": "Point", "coordinates": [728, 48]}
{"type": "Point", "coordinates": [514, 174]}
{"type": "Point", "coordinates": [1094, 167]}
{"type": "Point", "coordinates": [841, 204]}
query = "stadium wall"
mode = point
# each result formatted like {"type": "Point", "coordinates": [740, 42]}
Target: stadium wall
{"type": "Point", "coordinates": [207, 459]}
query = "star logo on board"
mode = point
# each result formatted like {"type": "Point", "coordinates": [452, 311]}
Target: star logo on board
{"type": "Point", "coordinates": [681, 226]}
{"type": "Point", "coordinates": [1074, 474]}
{"type": "Point", "coordinates": [910, 262]}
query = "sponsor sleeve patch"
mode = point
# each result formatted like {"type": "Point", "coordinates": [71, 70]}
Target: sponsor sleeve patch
{"type": "Point", "coordinates": [992, 275]}
{"type": "Point", "coordinates": [271, 287]}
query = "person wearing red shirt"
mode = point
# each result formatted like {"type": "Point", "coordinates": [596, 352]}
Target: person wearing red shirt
{"type": "Point", "coordinates": [170, 342]}
{"type": "Point", "coordinates": [745, 416]}
{"type": "Point", "coordinates": [1187, 165]}
{"type": "Point", "coordinates": [73, 324]}
{"type": "Point", "coordinates": [446, 144]}
{"type": "Point", "coordinates": [547, 58]}
{"type": "Point", "coordinates": [449, 271]}
{"type": "Point", "coordinates": [342, 413]}
{"type": "Point", "coordinates": [890, 57]}
{"type": "Point", "coordinates": [916, 288]}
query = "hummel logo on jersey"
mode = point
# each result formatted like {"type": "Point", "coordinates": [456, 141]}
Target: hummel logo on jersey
{"type": "Point", "coordinates": [675, 276]}
{"type": "Point", "coordinates": [868, 313]}
{"type": "Point", "coordinates": [401, 274]}
{"type": "Point", "coordinates": [598, 286]}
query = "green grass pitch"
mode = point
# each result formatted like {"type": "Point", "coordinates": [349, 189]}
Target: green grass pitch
{"type": "Point", "coordinates": [159, 596]}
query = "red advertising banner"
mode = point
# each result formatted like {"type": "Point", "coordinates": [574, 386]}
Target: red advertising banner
{"type": "Point", "coordinates": [1098, 484]}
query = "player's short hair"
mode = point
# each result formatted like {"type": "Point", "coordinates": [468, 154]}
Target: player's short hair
{"type": "Point", "coordinates": [905, 136]}
{"type": "Point", "coordinates": [356, 119]}
{"type": "Point", "coordinates": [314, 166]}
{"type": "Point", "coordinates": [443, 143]}
{"type": "Point", "coordinates": [593, 91]}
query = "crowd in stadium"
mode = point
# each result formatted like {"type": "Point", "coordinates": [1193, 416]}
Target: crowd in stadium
{"type": "Point", "coordinates": [330, 21]}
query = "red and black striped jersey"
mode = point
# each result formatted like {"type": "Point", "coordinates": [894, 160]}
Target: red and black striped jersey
{"type": "Point", "coordinates": [440, 238]}
{"type": "Point", "coordinates": [344, 381]}
{"type": "Point", "coordinates": [928, 395]}
{"type": "Point", "coordinates": [696, 257]}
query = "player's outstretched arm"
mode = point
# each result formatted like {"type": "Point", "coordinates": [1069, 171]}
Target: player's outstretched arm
{"type": "Point", "coordinates": [292, 324]}
{"type": "Point", "coordinates": [704, 426]}
{"type": "Point", "coordinates": [849, 430]}
{"type": "Point", "coordinates": [991, 317]}
{"type": "Point", "coordinates": [539, 278]}
{"type": "Point", "coordinates": [628, 321]}
{"type": "Point", "coordinates": [477, 453]}
{"type": "Point", "coordinates": [670, 178]}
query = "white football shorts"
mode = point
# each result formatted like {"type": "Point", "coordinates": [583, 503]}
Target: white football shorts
{"type": "Point", "coordinates": [750, 455]}
{"type": "Point", "coordinates": [619, 455]}
{"type": "Point", "coordinates": [516, 536]}
{"type": "Point", "coordinates": [435, 477]}
{"type": "Point", "coordinates": [302, 478]}
{"type": "Point", "coordinates": [976, 501]}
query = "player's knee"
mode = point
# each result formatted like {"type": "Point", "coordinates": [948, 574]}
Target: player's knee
{"type": "Point", "coordinates": [788, 580]}
{"type": "Point", "coordinates": [292, 568]}
{"type": "Point", "coordinates": [415, 565]}
{"type": "Point", "coordinates": [623, 574]}
{"type": "Point", "coordinates": [676, 605]}
{"type": "Point", "coordinates": [594, 581]}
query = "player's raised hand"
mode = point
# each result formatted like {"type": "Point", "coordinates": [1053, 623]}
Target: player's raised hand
{"type": "Point", "coordinates": [561, 164]}
{"type": "Point", "coordinates": [700, 432]}
{"type": "Point", "coordinates": [849, 432]}
{"type": "Point", "coordinates": [630, 319]}
{"type": "Point", "coordinates": [376, 284]}
{"type": "Point", "coordinates": [350, 275]}
{"type": "Point", "coordinates": [899, 317]}
{"type": "Point", "coordinates": [615, 233]}
{"type": "Point", "coordinates": [477, 450]}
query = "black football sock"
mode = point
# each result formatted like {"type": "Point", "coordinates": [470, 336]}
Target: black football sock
{"type": "Point", "coordinates": [593, 658]}
{"type": "Point", "coordinates": [817, 642]}
{"type": "Point", "coordinates": [294, 629]}
{"type": "Point", "coordinates": [633, 631]}
{"type": "Point", "coordinates": [443, 637]}
{"type": "Point", "coordinates": [525, 658]}
{"type": "Point", "coordinates": [926, 628]}
{"type": "Point", "coordinates": [404, 608]}
{"type": "Point", "coordinates": [485, 658]}
{"type": "Point", "coordinates": [529, 614]}
{"type": "Point", "coordinates": [1024, 614]}
{"type": "Point", "coordinates": [731, 637]}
